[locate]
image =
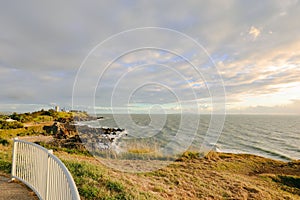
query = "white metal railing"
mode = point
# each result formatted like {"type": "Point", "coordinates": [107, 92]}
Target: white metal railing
{"type": "Point", "coordinates": [43, 172]}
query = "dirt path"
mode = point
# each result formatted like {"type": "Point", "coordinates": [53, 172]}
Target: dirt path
{"type": "Point", "coordinates": [29, 124]}
{"type": "Point", "coordinates": [36, 138]}
{"type": "Point", "coordinates": [14, 190]}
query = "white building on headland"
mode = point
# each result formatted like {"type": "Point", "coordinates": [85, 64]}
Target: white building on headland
{"type": "Point", "coordinates": [10, 120]}
{"type": "Point", "coordinates": [56, 108]}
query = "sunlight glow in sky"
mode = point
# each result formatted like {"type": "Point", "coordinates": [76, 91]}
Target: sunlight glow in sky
{"type": "Point", "coordinates": [255, 45]}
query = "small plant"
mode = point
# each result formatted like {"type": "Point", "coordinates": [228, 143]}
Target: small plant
{"type": "Point", "coordinates": [114, 186]}
{"type": "Point", "coordinates": [10, 125]}
{"type": "Point", "coordinates": [292, 181]}
{"type": "Point", "coordinates": [5, 166]}
{"type": "Point", "coordinates": [89, 192]}
{"type": "Point", "coordinates": [4, 142]}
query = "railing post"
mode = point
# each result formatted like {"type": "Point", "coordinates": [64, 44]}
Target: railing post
{"type": "Point", "coordinates": [14, 157]}
{"type": "Point", "coordinates": [48, 174]}
{"type": "Point", "coordinates": [55, 175]}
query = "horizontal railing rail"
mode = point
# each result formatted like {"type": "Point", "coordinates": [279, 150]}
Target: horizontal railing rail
{"type": "Point", "coordinates": [42, 171]}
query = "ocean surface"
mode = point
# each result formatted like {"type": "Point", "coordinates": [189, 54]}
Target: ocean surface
{"type": "Point", "coordinates": [272, 136]}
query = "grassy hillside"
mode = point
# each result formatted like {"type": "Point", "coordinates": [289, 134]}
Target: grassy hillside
{"type": "Point", "coordinates": [216, 176]}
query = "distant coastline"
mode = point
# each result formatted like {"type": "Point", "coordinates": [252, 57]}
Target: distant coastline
{"type": "Point", "coordinates": [213, 176]}
{"type": "Point", "coordinates": [255, 134]}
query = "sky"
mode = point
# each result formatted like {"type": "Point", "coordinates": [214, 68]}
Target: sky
{"type": "Point", "coordinates": [202, 55]}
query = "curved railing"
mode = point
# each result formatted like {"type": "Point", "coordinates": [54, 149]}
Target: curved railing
{"type": "Point", "coordinates": [43, 172]}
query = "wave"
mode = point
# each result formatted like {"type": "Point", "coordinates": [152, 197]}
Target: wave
{"type": "Point", "coordinates": [261, 135]}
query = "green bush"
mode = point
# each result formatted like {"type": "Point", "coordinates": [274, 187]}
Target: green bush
{"type": "Point", "coordinates": [292, 181]}
{"type": "Point", "coordinates": [4, 142]}
{"type": "Point", "coordinates": [5, 166]}
{"type": "Point", "coordinates": [10, 125]}
{"type": "Point", "coordinates": [114, 186]}
{"type": "Point", "coordinates": [92, 182]}
{"type": "Point", "coordinates": [88, 192]}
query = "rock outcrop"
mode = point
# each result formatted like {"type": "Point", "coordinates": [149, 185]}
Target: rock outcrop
{"type": "Point", "coordinates": [61, 130]}
{"type": "Point", "coordinates": [99, 138]}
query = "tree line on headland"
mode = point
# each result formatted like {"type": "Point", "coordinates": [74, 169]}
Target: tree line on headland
{"type": "Point", "coordinates": [17, 119]}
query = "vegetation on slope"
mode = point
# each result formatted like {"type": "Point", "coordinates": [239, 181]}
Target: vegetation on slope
{"type": "Point", "coordinates": [216, 176]}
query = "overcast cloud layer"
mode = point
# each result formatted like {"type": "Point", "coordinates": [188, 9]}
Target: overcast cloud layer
{"type": "Point", "coordinates": [254, 44]}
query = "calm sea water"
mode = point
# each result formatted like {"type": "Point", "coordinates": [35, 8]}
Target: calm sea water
{"type": "Point", "coordinates": [276, 137]}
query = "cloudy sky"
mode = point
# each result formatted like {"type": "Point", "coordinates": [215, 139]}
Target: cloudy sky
{"type": "Point", "coordinates": [251, 49]}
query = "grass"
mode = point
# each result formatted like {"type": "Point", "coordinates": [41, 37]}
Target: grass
{"type": "Point", "coordinates": [26, 131]}
{"type": "Point", "coordinates": [70, 150]}
{"type": "Point", "coordinates": [132, 149]}
{"type": "Point", "coordinates": [5, 158]}
{"type": "Point", "coordinates": [43, 118]}
{"type": "Point", "coordinates": [215, 176]}
{"type": "Point", "coordinates": [292, 181]}
{"type": "Point", "coordinates": [288, 183]}
{"type": "Point", "coordinates": [4, 142]}
{"type": "Point", "coordinates": [94, 182]}
{"type": "Point", "coordinates": [5, 166]}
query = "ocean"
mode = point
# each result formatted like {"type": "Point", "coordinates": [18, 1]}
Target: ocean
{"type": "Point", "coordinates": [271, 136]}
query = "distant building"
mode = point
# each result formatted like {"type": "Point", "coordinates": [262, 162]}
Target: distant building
{"type": "Point", "coordinates": [56, 108]}
{"type": "Point", "coordinates": [10, 120]}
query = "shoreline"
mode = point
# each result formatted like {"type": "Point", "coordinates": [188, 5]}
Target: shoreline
{"type": "Point", "coordinates": [43, 138]}
{"type": "Point", "coordinates": [217, 175]}
{"type": "Point", "coordinates": [260, 138]}
{"type": "Point", "coordinates": [214, 176]}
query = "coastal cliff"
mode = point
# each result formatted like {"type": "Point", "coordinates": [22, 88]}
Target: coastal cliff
{"type": "Point", "coordinates": [215, 176]}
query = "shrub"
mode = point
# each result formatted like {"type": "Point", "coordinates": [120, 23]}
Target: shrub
{"type": "Point", "coordinates": [4, 142]}
{"type": "Point", "coordinates": [5, 166]}
{"type": "Point", "coordinates": [114, 186]}
{"type": "Point", "coordinates": [10, 125]}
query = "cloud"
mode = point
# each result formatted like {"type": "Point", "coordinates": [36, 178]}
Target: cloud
{"type": "Point", "coordinates": [260, 74]}
{"type": "Point", "coordinates": [40, 53]}
{"type": "Point", "coordinates": [254, 32]}
{"type": "Point", "coordinates": [293, 107]}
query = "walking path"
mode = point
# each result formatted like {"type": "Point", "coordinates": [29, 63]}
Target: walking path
{"type": "Point", "coordinates": [14, 190]}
